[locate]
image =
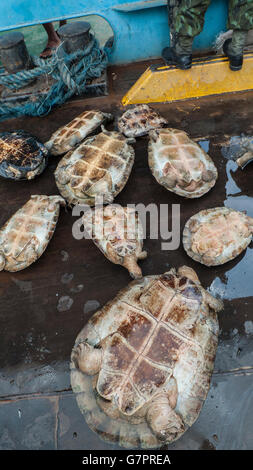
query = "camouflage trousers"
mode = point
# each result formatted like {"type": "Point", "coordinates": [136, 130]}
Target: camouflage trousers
{"type": "Point", "coordinates": [188, 21]}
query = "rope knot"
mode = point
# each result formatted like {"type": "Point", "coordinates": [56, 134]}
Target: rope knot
{"type": "Point", "coordinates": [70, 72]}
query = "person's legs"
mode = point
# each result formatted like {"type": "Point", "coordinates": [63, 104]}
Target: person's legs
{"type": "Point", "coordinates": [52, 42]}
{"type": "Point", "coordinates": [188, 22]}
{"type": "Point", "coordinates": [240, 19]}
{"type": "Point", "coordinates": [240, 15]}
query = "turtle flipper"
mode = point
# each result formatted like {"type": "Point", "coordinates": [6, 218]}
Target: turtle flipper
{"type": "Point", "coordinates": [245, 159]}
{"type": "Point", "coordinates": [166, 424]}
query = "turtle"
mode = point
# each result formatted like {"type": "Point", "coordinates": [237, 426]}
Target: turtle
{"type": "Point", "coordinates": [245, 151]}
{"type": "Point", "coordinates": [139, 120]}
{"type": "Point", "coordinates": [239, 149]}
{"type": "Point", "coordinates": [141, 366]}
{"type": "Point", "coordinates": [70, 135]}
{"type": "Point", "coordinates": [22, 156]}
{"type": "Point", "coordinates": [98, 168]}
{"type": "Point", "coordinates": [25, 236]}
{"type": "Point", "coordinates": [180, 164]}
{"type": "Point", "coordinates": [215, 236]}
{"type": "Point", "coordinates": [118, 233]}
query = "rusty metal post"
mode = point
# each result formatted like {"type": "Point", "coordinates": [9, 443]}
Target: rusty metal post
{"type": "Point", "coordinates": [13, 52]}
{"type": "Point", "coordinates": [75, 36]}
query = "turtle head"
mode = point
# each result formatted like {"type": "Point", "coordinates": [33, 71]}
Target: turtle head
{"type": "Point", "coordinates": [2, 261]}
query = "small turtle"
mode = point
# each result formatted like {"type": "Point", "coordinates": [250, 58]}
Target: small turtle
{"type": "Point", "coordinates": [70, 135]}
{"type": "Point", "coordinates": [22, 157]}
{"type": "Point", "coordinates": [118, 233]}
{"type": "Point", "coordinates": [100, 166]}
{"type": "Point", "coordinates": [141, 366]}
{"type": "Point", "coordinates": [180, 164]}
{"type": "Point", "coordinates": [240, 149]}
{"type": "Point", "coordinates": [25, 236]}
{"type": "Point", "coordinates": [139, 120]}
{"type": "Point", "coordinates": [215, 236]}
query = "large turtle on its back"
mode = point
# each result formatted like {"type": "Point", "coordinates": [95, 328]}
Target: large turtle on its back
{"type": "Point", "coordinates": [99, 167]}
{"type": "Point", "coordinates": [141, 366]}
{"type": "Point", "coordinates": [22, 156]}
{"type": "Point", "coordinates": [180, 164]}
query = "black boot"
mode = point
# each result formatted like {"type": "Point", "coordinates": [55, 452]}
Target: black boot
{"type": "Point", "coordinates": [182, 61]}
{"type": "Point", "coordinates": [236, 61]}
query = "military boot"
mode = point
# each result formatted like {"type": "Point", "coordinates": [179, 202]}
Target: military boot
{"type": "Point", "coordinates": [233, 49]}
{"type": "Point", "coordinates": [181, 54]}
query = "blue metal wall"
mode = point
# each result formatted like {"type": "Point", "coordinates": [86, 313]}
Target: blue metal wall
{"type": "Point", "coordinates": [140, 26]}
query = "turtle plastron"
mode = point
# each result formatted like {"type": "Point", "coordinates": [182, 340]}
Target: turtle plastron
{"type": "Point", "coordinates": [149, 363]}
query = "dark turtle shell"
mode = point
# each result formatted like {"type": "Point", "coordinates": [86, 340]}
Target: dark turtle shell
{"type": "Point", "coordinates": [22, 156]}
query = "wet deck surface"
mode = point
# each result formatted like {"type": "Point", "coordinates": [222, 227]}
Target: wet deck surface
{"type": "Point", "coordinates": [43, 308]}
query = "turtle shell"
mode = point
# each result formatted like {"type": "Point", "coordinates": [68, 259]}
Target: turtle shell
{"type": "Point", "coordinates": [180, 164]}
{"type": "Point", "coordinates": [151, 352]}
{"type": "Point", "coordinates": [25, 236]}
{"type": "Point", "coordinates": [100, 166]}
{"type": "Point", "coordinates": [22, 156]}
{"type": "Point", "coordinates": [215, 236]}
{"type": "Point", "coordinates": [70, 135]}
{"type": "Point", "coordinates": [118, 233]}
{"type": "Point", "coordinates": [139, 120]}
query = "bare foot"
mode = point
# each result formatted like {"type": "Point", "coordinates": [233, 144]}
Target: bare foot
{"type": "Point", "coordinates": [50, 47]}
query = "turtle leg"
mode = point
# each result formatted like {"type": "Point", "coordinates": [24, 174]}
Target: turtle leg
{"type": "Point", "coordinates": [188, 272]}
{"type": "Point", "coordinates": [165, 423]}
{"type": "Point", "coordinates": [108, 407]}
{"type": "Point", "coordinates": [143, 255]}
{"type": "Point", "coordinates": [87, 358]}
{"type": "Point", "coordinates": [131, 265]}
{"type": "Point", "coordinates": [245, 159]}
{"type": "Point", "coordinates": [214, 304]}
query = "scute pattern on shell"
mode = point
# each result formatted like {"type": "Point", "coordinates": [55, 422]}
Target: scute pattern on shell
{"type": "Point", "coordinates": [118, 233]}
{"type": "Point", "coordinates": [215, 236]}
{"type": "Point", "coordinates": [70, 135]}
{"type": "Point", "coordinates": [25, 236]}
{"type": "Point", "coordinates": [21, 155]}
{"type": "Point", "coordinates": [100, 166]}
{"type": "Point", "coordinates": [180, 164]}
{"type": "Point", "coordinates": [139, 120]}
{"type": "Point", "coordinates": [144, 361]}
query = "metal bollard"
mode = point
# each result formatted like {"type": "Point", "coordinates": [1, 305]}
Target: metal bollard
{"type": "Point", "coordinates": [74, 36]}
{"type": "Point", "coordinates": [13, 52]}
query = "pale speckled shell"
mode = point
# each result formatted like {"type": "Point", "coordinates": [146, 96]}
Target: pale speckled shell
{"type": "Point", "coordinates": [139, 120]}
{"type": "Point", "coordinates": [25, 236]}
{"type": "Point", "coordinates": [70, 135]}
{"type": "Point", "coordinates": [224, 245]}
{"type": "Point", "coordinates": [177, 163]}
{"type": "Point", "coordinates": [187, 353]}
{"type": "Point", "coordinates": [101, 165]}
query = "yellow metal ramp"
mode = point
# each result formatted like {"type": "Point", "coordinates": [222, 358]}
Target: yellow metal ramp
{"type": "Point", "coordinates": [210, 76]}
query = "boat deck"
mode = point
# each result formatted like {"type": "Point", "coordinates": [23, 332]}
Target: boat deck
{"type": "Point", "coordinates": [43, 308]}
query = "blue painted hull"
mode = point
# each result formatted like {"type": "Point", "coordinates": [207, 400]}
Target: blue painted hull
{"type": "Point", "coordinates": [140, 27]}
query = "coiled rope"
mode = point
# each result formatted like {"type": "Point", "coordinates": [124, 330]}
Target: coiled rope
{"type": "Point", "coordinates": [71, 72]}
